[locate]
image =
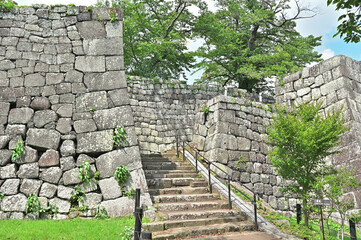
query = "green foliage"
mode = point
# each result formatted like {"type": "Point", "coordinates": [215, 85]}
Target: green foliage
{"type": "Point", "coordinates": [91, 110]}
{"type": "Point", "coordinates": [1, 195]}
{"type": "Point", "coordinates": [85, 172]}
{"type": "Point", "coordinates": [52, 209]}
{"type": "Point", "coordinates": [129, 193]}
{"type": "Point", "coordinates": [128, 233]}
{"type": "Point", "coordinates": [301, 138]}
{"type": "Point", "coordinates": [77, 196]}
{"type": "Point", "coordinates": [101, 213]}
{"type": "Point", "coordinates": [96, 175]}
{"type": "Point", "coordinates": [120, 136]}
{"type": "Point", "coordinates": [18, 151]}
{"type": "Point", "coordinates": [121, 175]}
{"type": "Point", "coordinates": [241, 160]}
{"type": "Point", "coordinates": [350, 27]}
{"type": "Point", "coordinates": [155, 36]}
{"type": "Point", "coordinates": [247, 42]}
{"type": "Point", "coordinates": [204, 109]}
{"type": "Point", "coordinates": [282, 83]}
{"type": "Point", "coordinates": [33, 204]}
{"type": "Point", "coordinates": [7, 5]}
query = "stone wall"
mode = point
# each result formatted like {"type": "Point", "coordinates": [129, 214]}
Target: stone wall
{"type": "Point", "coordinates": [232, 137]}
{"type": "Point", "coordinates": [163, 109]}
{"type": "Point", "coordinates": [63, 91]}
{"type": "Point", "coordinates": [337, 83]}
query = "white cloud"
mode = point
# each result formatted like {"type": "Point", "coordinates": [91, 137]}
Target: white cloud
{"type": "Point", "coordinates": [327, 53]}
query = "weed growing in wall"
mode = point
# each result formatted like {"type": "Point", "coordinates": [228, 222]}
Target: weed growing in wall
{"type": "Point", "coordinates": [85, 172]}
{"type": "Point", "coordinates": [77, 196]}
{"type": "Point", "coordinates": [129, 193]}
{"type": "Point", "coordinates": [128, 233]}
{"type": "Point", "coordinates": [1, 195]}
{"type": "Point", "coordinates": [33, 204]}
{"type": "Point", "coordinates": [121, 175]}
{"type": "Point", "coordinates": [101, 213]}
{"type": "Point", "coordinates": [113, 18]}
{"type": "Point", "coordinates": [120, 136]}
{"type": "Point", "coordinates": [205, 109]}
{"type": "Point", "coordinates": [7, 5]}
{"type": "Point", "coordinates": [18, 151]}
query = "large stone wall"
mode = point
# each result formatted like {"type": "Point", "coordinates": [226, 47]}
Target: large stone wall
{"type": "Point", "coordinates": [337, 83]}
{"type": "Point", "coordinates": [163, 109]}
{"type": "Point", "coordinates": [232, 137]}
{"type": "Point", "coordinates": [63, 91]}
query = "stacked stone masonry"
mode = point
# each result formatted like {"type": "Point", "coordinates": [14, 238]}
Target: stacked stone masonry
{"type": "Point", "coordinates": [162, 109]}
{"type": "Point", "coordinates": [63, 91]}
{"type": "Point", "coordinates": [335, 82]}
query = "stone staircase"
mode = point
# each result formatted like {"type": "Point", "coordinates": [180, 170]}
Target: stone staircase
{"type": "Point", "coordinates": [185, 208]}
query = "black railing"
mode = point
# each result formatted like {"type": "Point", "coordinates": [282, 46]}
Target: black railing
{"type": "Point", "coordinates": [207, 164]}
{"type": "Point", "coordinates": [138, 214]}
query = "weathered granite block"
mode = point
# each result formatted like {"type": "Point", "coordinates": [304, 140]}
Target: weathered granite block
{"type": "Point", "coordinates": [95, 142]}
{"type": "Point", "coordinates": [43, 139]}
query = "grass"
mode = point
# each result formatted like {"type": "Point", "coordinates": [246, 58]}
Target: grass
{"type": "Point", "coordinates": [115, 228]}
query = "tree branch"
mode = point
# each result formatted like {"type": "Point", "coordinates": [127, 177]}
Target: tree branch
{"type": "Point", "coordinates": [169, 28]}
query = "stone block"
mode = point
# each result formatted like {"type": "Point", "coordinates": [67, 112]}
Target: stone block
{"type": "Point", "coordinates": [95, 142]}
{"type": "Point", "coordinates": [40, 103]}
{"type": "Point", "coordinates": [111, 118]}
{"type": "Point", "coordinates": [43, 117]}
{"type": "Point", "coordinates": [244, 144]}
{"type": "Point", "coordinates": [54, 78]}
{"type": "Point", "coordinates": [30, 155]}
{"type": "Point", "coordinates": [90, 186]}
{"type": "Point", "coordinates": [137, 180]}
{"type": "Point", "coordinates": [5, 156]}
{"type": "Point", "coordinates": [20, 115]}
{"type": "Point", "coordinates": [63, 205]}
{"type": "Point", "coordinates": [92, 200]}
{"type": "Point", "coordinates": [65, 110]}
{"type": "Point", "coordinates": [4, 108]}
{"type": "Point", "coordinates": [4, 140]}
{"type": "Point", "coordinates": [6, 65]}
{"type": "Point", "coordinates": [114, 63]}
{"type": "Point", "coordinates": [107, 46]}
{"type": "Point", "coordinates": [29, 186]}
{"type": "Point", "coordinates": [14, 203]}
{"type": "Point", "coordinates": [10, 186]}
{"type": "Point", "coordinates": [67, 148]}
{"type": "Point", "coordinates": [49, 158]}
{"type": "Point", "coordinates": [83, 126]}
{"type": "Point", "coordinates": [16, 129]}
{"type": "Point", "coordinates": [64, 192]}
{"type": "Point", "coordinates": [95, 100]}
{"type": "Point", "coordinates": [30, 170]}
{"type": "Point", "coordinates": [64, 125]}
{"type": "Point", "coordinates": [8, 171]}
{"type": "Point", "coordinates": [67, 163]}
{"type": "Point", "coordinates": [108, 162]}
{"type": "Point", "coordinates": [105, 81]}
{"type": "Point", "coordinates": [74, 76]}
{"type": "Point", "coordinates": [118, 207]}
{"type": "Point", "coordinates": [198, 142]}
{"type": "Point", "coordinates": [48, 190]}
{"type": "Point", "coordinates": [34, 80]}
{"type": "Point", "coordinates": [71, 177]}
{"type": "Point", "coordinates": [90, 63]}
{"type": "Point", "coordinates": [43, 138]}
{"type": "Point", "coordinates": [91, 29]}
{"type": "Point", "coordinates": [51, 175]}
{"type": "Point", "coordinates": [109, 188]}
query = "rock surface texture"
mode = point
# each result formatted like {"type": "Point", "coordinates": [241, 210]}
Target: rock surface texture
{"type": "Point", "coordinates": [61, 75]}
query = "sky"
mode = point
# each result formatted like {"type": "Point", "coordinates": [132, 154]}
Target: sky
{"type": "Point", "coordinates": [323, 24]}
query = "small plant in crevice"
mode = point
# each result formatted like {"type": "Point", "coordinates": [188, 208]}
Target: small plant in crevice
{"type": "Point", "coordinates": [85, 172]}
{"type": "Point", "coordinates": [83, 208]}
{"type": "Point", "coordinates": [1, 195]}
{"type": "Point", "coordinates": [120, 136]}
{"type": "Point", "coordinates": [77, 197]}
{"type": "Point", "coordinates": [33, 204]}
{"type": "Point", "coordinates": [128, 233]}
{"type": "Point", "coordinates": [52, 209]}
{"type": "Point", "coordinates": [121, 175]}
{"type": "Point", "coordinates": [241, 160]}
{"type": "Point", "coordinates": [101, 213]}
{"type": "Point", "coordinates": [91, 110]}
{"type": "Point", "coordinates": [7, 5]}
{"type": "Point", "coordinates": [113, 18]}
{"type": "Point", "coordinates": [18, 151]}
{"type": "Point", "coordinates": [204, 109]}
{"type": "Point", "coordinates": [129, 193]}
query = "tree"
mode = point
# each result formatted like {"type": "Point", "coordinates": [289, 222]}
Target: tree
{"type": "Point", "coordinates": [301, 139]}
{"type": "Point", "coordinates": [350, 27]}
{"type": "Point", "coordinates": [155, 36]}
{"type": "Point", "coordinates": [247, 41]}
{"type": "Point", "coordinates": [335, 187]}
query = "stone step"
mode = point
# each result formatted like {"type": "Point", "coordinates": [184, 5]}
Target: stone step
{"type": "Point", "coordinates": [167, 167]}
{"type": "Point", "coordinates": [162, 159]}
{"type": "Point", "coordinates": [164, 225]}
{"type": "Point", "coordinates": [155, 174]}
{"type": "Point", "coordinates": [175, 182]}
{"type": "Point", "coordinates": [178, 190]}
{"type": "Point", "coordinates": [183, 232]}
{"type": "Point", "coordinates": [185, 206]}
{"type": "Point", "coordinates": [164, 164]}
{"type": "Point", "coordinates": [185, 198]}
{"type": "Point", "coordinates": [184, 215]}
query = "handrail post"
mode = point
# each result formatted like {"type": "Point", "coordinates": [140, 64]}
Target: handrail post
{"type": "Point", "coordinates": [229, 193]}
{"type": "Point", "coordinates": [209, 177]}
{"type": "Point", "coordinates": [255, 210]}
{"type": "Point", "coordinates": [184, 153]}
{"type": "Point", "coordinates": [177, 145]}
{"type": "Point", "coordinates": [138, 214]}
{"type": "Point", "coordinates": [196, 162]}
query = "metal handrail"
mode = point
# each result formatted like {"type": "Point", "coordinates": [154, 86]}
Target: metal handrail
{"type": "Point", "coordinates": [229, 184]}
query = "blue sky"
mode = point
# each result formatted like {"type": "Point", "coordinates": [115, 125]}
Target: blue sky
{"type": "Point", "coordinates": [323, 24]}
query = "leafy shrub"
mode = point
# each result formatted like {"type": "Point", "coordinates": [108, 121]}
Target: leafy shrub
{"type": "Point", "coordinates": [121, 175]}
{"type": "Point", "coordinates": [18, 151]}
{"type": "Point", "coordinates": [101, 213]}
{"type": "Point", "coordinates": [120, 136]}
{"type": "Point", "coordinates": [77, 196]}
{"type": "Point", "coordinates": [33, 204]}
{"type": "Point", "coordinates": [7, 5]}
{"type": "Point", "coordinates": [205, 109]}
{"type": "Point", "coordinates": [85, 172]}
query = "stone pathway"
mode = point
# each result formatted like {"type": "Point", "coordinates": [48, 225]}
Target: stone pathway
{"type": "Point", "coordinates": [185, 206]}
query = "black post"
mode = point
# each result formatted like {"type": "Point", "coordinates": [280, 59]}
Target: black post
{"type": "Point", "coordinates": [138, 214]}
{"type": "Point", "coordinates": [229, 194]}
{"type": "Point", "coordinates": [177, 145]}
{"type": "Point", "coordinates": [184, 153]}
{"type": "Point", "coordinates": [137, 198]}
{"type": "Point", "coordinates": [352, 229]}
{"type": "Point", "coordinates": [298, 210]}
{"type": "Point", "coordinates": [196, 162]}
{"type": "Point", "coordinates": [323, 230]}
{"type": "Point", "coordinates": [255, 210]}
{"type": "Point", "coordinates": [209, 177]}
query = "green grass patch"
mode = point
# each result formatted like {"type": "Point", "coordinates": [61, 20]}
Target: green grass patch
{"type": "Point", "coordinates": [114, 228]}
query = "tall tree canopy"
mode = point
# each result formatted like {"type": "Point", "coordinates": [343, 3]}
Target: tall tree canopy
{"type": "Point", "coordinates": [350, 27]}
{"type": "Point", "coordinates": [247, 41]}
{"type": "Point", "coordinates": [155, 36]}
